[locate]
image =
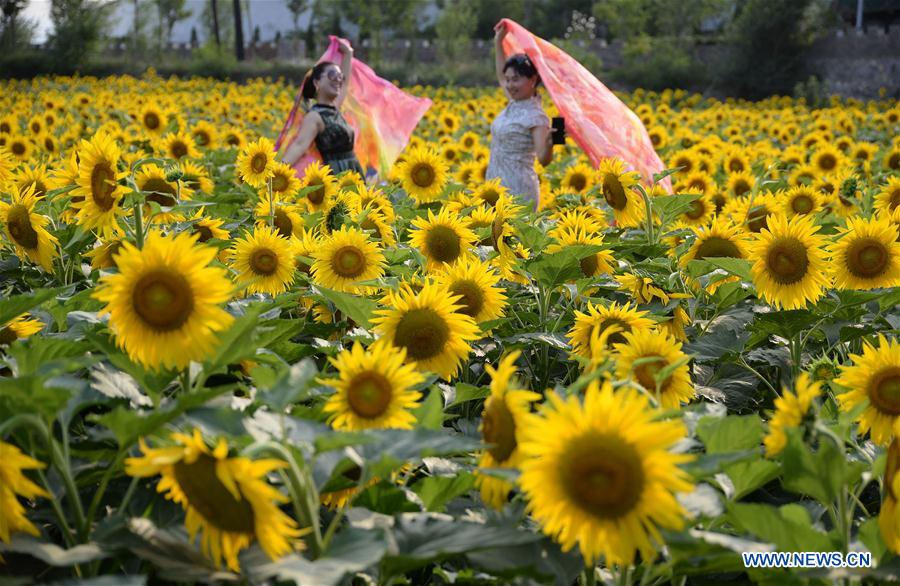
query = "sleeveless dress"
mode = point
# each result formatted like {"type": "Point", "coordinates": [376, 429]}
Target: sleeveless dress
{"type": "Point", "coordinates": [512, 147]}
{"type": "Point", "coordinates": [335, 141]}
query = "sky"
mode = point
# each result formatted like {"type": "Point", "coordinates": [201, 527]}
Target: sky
{"type": "Point", "coordinates": [269, 15]}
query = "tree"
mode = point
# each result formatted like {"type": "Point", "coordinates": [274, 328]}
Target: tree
{"type": "Point", "coordinates": [238, 31]}
{"type": "Point", "coordinates": [214, 6]}
{"type": "Point", "coordinates": [170, 12]}
{"type": "Point", "coordinates": [78, 27]}
{"type": "Point", "coordinates": [455, 27]}
{"type": "Point", "coordinates": [297, 8]}
{"type": "Point", "coordinates": [11, 10]}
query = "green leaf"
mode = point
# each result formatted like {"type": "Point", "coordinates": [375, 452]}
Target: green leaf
{"type": "Point", "coordinates": [733, 266]}
{"type": "Point", "coordinates": [356, 307]}
{"type": "Point", "coordinates": [17, 305]}
{"type": "Point", "coordinates": [430, 413]}
{"type": "Point", "coordinates": [437, 491]}
{"type": "Point", "coordinates": [51, 554]}
{"type": "Point", "coordinates": [819, 474]}
{"type": "Point", "coordinates": [730, 434]}
{"type": "Point", "coordinates": [557, 268]}
{"type": "Point", "coordinates": [51, 356]}
{"type": "Point", "coordinates": [870, 535]}
{"type": "Point", "coordinates": [748, 476]}
{"type": "Point", "coordinates": [238, 342]}
{"type": "Point", "coordinates": [292, 386]}
{"type": "Point", "coordinates": [788, 527]}
{"type": "Point", "coordinates": [669, 206]}
{"type": "Point", "coordinates": [128, 424]}
{"type": "Point", "coordinates": [32, 394]}
{"type": "Point", "coordinates": [466, 392]}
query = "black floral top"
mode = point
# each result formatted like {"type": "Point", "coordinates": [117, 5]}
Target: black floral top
{"type": "Point", "coordinates": [335, 141]}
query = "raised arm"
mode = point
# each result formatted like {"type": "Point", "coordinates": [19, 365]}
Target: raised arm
{"type": "Point", "coordinates": [543, 144]}
{"type": "Point", "coordinates": [346, 69]}
{"type": "Point", "coordinates": [499, 58]}
{"type": "Point", "coordinates": [309, 128]}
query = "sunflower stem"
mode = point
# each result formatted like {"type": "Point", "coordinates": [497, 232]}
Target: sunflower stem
{"type": "Point", "coordinates": [271, 203]}
{"type": "Point", "coordinates": [796, 356]}
{"type": "Point", "coordinates": [54, 502]}
{"type": "Point", "coordinates": [589, 576]}
{"type": "Point", "coordinates": [648, 211]}
{"type": "Point", "coordinates": [332, 528]}
{"type": "Point", "coordinates": [65, 470]}
{"type": "Point", "coordinates": [98, 495]}
{"type": "Point", "coordinates": [139, 222]}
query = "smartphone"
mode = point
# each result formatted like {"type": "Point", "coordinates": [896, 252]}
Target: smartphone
{"type": "Point", "coordinates": [558, 124]}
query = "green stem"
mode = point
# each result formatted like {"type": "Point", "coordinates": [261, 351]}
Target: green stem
{"type": "Point", "coordinates": [796, 356]}
{"type": "Point", "coordinates": [271, 203]}
{"type": "Point", "coordinates": [743, 363]}
{"type": "Point", "coordinates": [65, 471]}
{"type": "Point", "coordinates": [589, 576]}
{"type": "Point", "coordinates": [101, 490]}
{"type": "Point", "coordinates": [139, 222]}
{"type": "Point", "coordinates": [332, 528]}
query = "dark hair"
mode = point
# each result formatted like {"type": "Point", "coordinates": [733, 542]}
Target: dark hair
{"type": "Point", "coordinates": [308, 89]}
{"type": "Point", "coordinates": [521, 64]}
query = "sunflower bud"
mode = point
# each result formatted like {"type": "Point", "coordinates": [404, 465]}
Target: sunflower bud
{"type": "Point", "coordinates": [174, 174]}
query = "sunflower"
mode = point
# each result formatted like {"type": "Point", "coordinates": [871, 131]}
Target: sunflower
{"type": "Point", "coordinates": [374, 389]}
{"type": "Point", "coordinates": [617, 186]}
{"type": "Point", "coordinates": [790, 409]}
{"type": "Point", "coordinates": [504, 410]}
{"type": "Point", "coordinates": [321, 186]}
{"type": "Point", "coordinates": [103, 256]}
{"type": "Point", "coordinates": [578, 178]}
{"type": "Point", "coordinates": [699, 213]}
{"type": "Point", "coordinates": [873, 379]}
{"type": "Point", "coordinates": [423, 175]}
{"type": "Point", "coordinates": [828, 160]}
{"type": "Point", "coordinates": [208, 228]}
{"type": "Point", "coordinates": [264, 261]}
{"type": "Point", "coordinates": [204, 134]}
{"type": "Point", "coordinates": [740, 184]}
{"type": "Point", "coordinates": [888, 199]}
{"type": "Point", "coordinates": [284, 181]}
{"type": "Point", "coordinates": [802, 200]}
{"type": "Point", "coordinates": [605, 326]}
{"type": "Point", "coordinates": [790, 265]}
{"type": "Point", "coordinates": [179, 145]}
{"type": "Point", "coordinates": [443, 239]}
{"type": "Point", "coordinates": [255, 163]}
{"type": "Point", "coordinates": [429, 326]}
{"type": "Point", "coordinates": [153, 119]}
{"type": "Point", "coordinates": [14, 484]}
{"type": "Point", "coordinates": [196, 178]}
{"type": "Point", "coordinates": [345, 258]}
{"type": "Point", "coordinates": [867, 255]}
{"type": "Point", "coordinates": [152, 183]}
{"type": "Point", "coordinates": [36, 176]}
{"type": "Point", "coordinates": [600, 474]}
{"type": "Point", "coordinates": [164, 304]}
{"type": "Point", "coordinates": [27, 230]}
{"type": "Point", "coordinates": [20, 147]}
{"type": "Point", "coordinates": [752, 211]}
{"type": "Point", "coordinates": [642, 289]}
{"type": "Point", "coordinates": [888, 517]}
{"type": "Point", "coordinates": [287, 220]}
{"type": "Point", "coordinates": [720, 238]}
{"type": "Point", "coordinates": [481, 296]}
{"type": "Point", "coordinates": [891, 159]}
{"type": "Point", "coordinates": [226, 499]}
{"type": "Point", "coordinates": [19, 328]}
{"type": "Point", "coordinates": [489, 192]}
{"type": "Point", "coordinates": [592, 265]}
{"type": "Point", "coordinates": [644, 354]}
{"type": "Point", "coordinates": [99, 193]}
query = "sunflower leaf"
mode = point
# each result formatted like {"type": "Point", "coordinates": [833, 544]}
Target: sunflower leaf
{"type": "Point", "coordinates": [15, 306]}
{"type": "Point", "coordinates": [437, 491]}
{"type": "Point", "coordinates": [356, 307]}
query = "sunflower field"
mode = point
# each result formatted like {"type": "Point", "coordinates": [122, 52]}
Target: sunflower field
{"type": "Point", "coordinates": [212, 371]}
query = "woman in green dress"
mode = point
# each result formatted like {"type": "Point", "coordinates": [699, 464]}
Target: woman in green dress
{"type": "Point", "coordinates": [323, 123]}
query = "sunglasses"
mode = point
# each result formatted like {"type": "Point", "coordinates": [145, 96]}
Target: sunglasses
{"type": "Point", "coordinates": [334, 76]}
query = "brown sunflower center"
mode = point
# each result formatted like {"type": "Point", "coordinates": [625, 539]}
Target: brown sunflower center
{"type": "Point", "coordinates": [757, 218]}
{"type": "Point", "coordinates": [884, 390]}
{"type": "Point", "coordinates": [423, 175]}
{"type": "Point", "coordinates": [7, 336]}
{"type": "Point", "coordinates": [18, 148]}
{"type": "Point", "coordinates": [283, 223]}
{"type": "Point", "coordinates": [603, 475]}
{"type": "Point", "coordinates": [423, 333]}
{"type": "Point", "coordinates": [490, 196]}
{"type": "Point", "coordinates": [178, 149]}
{"type": "Point", "coordinates": [369, 394]}
{"type": "Point", "coordinates": [263, 261]}
{"type": "Point", "coordinates": [867, 258]}
{"type": "Point", "coordinates": [348, 262]}
{"type": "Point", "coordinates": [316, 196]}
{"type": "Point", "coordinates": [258, 162]}
{"type": "Point", "coordinates": [615, 337]}
{"type": "Point", "coordinates": [894, 161]}
{"type": "Point", "coordinates": [151, 120]}
{"type": "Point", "coordinates": [102, 186]}
{"type": "Point", "coordinates": [614, 192]}
{"type": "Point", "coordinates": [209, 497]}
{"type": "Point", "coordinates": [163, 299]}
{"type": "Point", "coordinates": [279, 183]}
{"type": "Point", "coordinates": [589, 265]}
{"type": "Point", "coordinates": [894, 199]}
{"type": "Point", "coordinates": [202, 137]}
{"type": "Point", "coordinates": [18, 222]}
{"type": "Point", "coordinates": [696, 211]}
{"type": "Point", "coordinates": [498, 427]}
{"type": "Point", "coordinates": [472, 297]}
{"type": "Point", "coordinates": [646, 372]}
{"type": "Point", "coordinates": [719, 247]}
{"type": "Point", "coordinates": [827, 162]}
{"type": "Point", "coordinates": [736, 166]}
{"type": "Point", "coordinates": [443, 244]}
{"type": "Point", "coordinates": [577, 182]}
{"type": "Point", "coordinates": [787, 261]}
{"type": "Point", "coordinates": [160, 191]}
{"type": "Point", "coordinates": [741, 187]}
{"type": "Point", "coordinates": [802, 204]}
{"type": "Point", "coordinates": [204, 232]}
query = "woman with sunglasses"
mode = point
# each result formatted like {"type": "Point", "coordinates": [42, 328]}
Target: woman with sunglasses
{"type": "Point", "coordinates": [327, 84]}
{"type": "Point", "coordinates": [521, 131]}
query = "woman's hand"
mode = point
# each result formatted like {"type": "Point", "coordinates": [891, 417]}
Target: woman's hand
{"type": "Point", "coordinates": [344, 47]}
{"type": "Point", "coordinates": [500, 32]}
